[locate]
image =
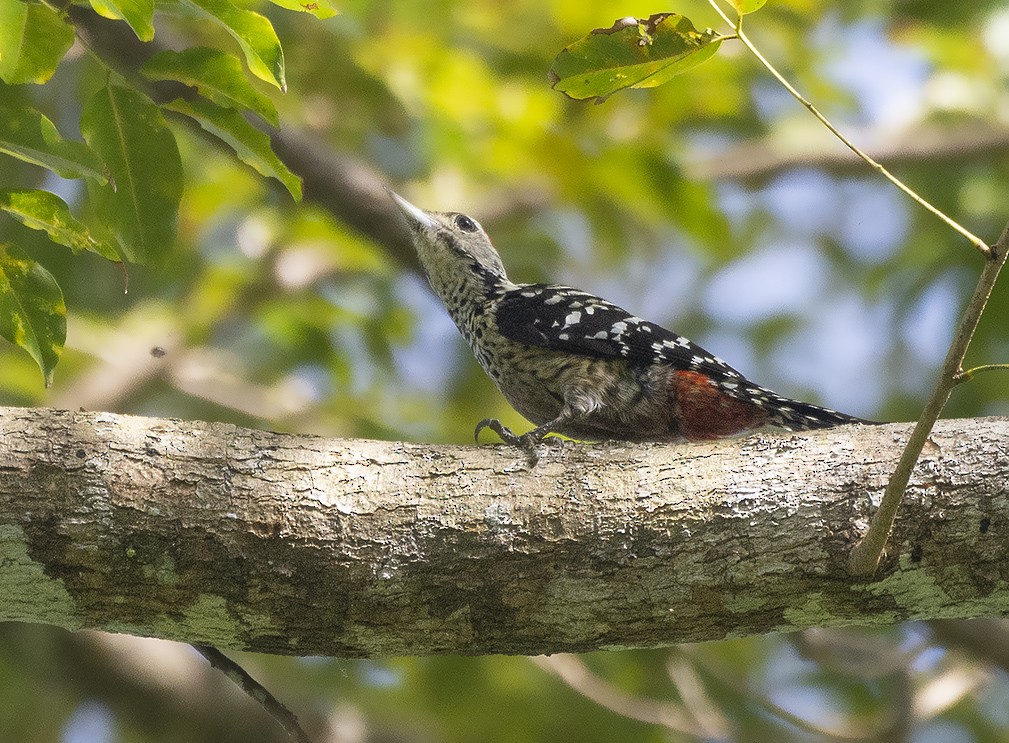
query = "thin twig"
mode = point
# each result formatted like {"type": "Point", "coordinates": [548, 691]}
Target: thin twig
{"type": "Point", "coordinates": [967, 375]}
{"type": "Point", "coordinates": [256, 690]}
{"type": "Point", "coordinates": [866, 554]}
{"type": "Point", "coordinates": [976, 241]}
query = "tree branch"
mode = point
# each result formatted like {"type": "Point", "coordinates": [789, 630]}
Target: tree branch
{"type": "Point", "coordinates": [244, 539]}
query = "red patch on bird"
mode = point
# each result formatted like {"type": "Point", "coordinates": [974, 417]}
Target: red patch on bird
{"type": "Point", "coordinates": [703, 412]}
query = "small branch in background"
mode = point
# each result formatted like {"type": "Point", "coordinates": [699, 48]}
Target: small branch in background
{"type": "Point", "coordinates": [573, 672]}
{"type": "Point", "coordinates": [756, 160]}
{"type": "Point", "coordinates": [866, 554]}
{"type": "Point", "coordinates": [731, 680]}
{"type": "Point", "coordinates": [696, 700]}
{"type": "Point", "coordinates": [985, 638]}
{"type": "Point", "coordinates": [256, 690]}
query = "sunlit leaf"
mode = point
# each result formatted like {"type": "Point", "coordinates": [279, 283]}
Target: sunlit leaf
{"type": "Point", "coordinates": [45, 211]}
{"type": "Point", "coordinates": [216, 75]}
{"type": "Point", "coordinates": [251, 145]}
{"type": "Point", "coordinates": [139, 14]}
{"type": "Point", "coordinates": [33, 40]}
{"type": "Point", "coordinates": [28, 135]}
{"type": "Point", "coordinates": [255, 34]}
{"type": "Point", "coordinates": [32, 313]}
{"type": "Point", "coordinates": [748, 6]}
{"type": "Point", "coordinates": [633, 53]}
{"type": "Point", "coordinates": [130, 134]}
{"type": "Point", "coordinates": [318, 8]}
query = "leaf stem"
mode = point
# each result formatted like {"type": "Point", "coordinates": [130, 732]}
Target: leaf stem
{"type": "Point", "coordinates": [976, 241]}
{"type": "Point", "coordinates": [866, 554]}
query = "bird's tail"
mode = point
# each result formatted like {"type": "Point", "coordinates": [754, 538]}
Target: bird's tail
{"type": "Point", "coordinates": [796, 415]}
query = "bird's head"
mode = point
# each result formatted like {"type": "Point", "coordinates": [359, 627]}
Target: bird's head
{"type": "Point", "coordinates": [450, 244]}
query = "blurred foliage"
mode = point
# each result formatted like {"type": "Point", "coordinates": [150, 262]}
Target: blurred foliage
{"type": "Point", "coordinates": [816, 280]}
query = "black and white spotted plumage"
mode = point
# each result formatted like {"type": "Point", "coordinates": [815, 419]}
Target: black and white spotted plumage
{"type": "Point", "coordinates": [565, 319]}
{"type": "Point", "coordinates": [575, 364]}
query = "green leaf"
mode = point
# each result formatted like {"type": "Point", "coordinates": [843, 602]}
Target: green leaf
{"type": "Point", "coordinates": [28, 135]}
{"type": "Point", "coordinates": [319, 8]}
{"type": "Point", "coordinates": [255, 34]}
{"type": "Point", "coordinates": [216, 75]}
{"type": "Point", "coordinates": [130, 134]}
{"type": "Point", "coordinates": [633, 53]}
{"type": "Point", "coordinates": [42, 210]}
{"type": "Point", "coordinates": [251, 145]}
{"type": "Point", "coordinates": [33, 40]}
{"type": "Point", "coordinates": [748, 6]}
{"type": "Point", "coordinates": [32, 312]}
{"type": "Point", "coordinates": [139, 14]}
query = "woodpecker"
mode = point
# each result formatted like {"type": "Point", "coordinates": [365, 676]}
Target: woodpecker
{"type": "Point", "coordinates": [575, 364]}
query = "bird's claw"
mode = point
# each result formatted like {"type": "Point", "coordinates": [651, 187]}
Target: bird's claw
{"type": "Point", "coordinates": [527, 442]}
{"type": "Point", "coordinates": [497, 427]}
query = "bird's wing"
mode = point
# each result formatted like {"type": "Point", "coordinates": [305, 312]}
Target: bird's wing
{"type": "Point", "coordinates": [572, 321]}
{"type": "Point", "coordinates": [564, 319]}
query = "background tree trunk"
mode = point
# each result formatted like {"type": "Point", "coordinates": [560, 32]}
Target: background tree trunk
{"type": "Point", "coordinates": [300, 545]}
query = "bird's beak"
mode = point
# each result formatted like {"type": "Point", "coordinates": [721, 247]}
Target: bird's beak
{"type": "Point", "coordinates": [413, 214]}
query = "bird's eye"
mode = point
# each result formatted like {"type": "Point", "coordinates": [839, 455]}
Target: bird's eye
{"type": "Point", "coordinates": [465, 224]}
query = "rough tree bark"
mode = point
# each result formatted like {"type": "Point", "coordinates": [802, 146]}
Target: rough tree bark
{"type": "Point", "coordinates": [293, 544]}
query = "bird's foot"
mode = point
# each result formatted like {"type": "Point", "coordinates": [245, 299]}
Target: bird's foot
{"type": "Point", "coordinates": [527, 443]}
